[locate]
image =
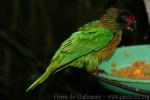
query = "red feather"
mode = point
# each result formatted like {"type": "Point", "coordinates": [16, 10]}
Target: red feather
{"type": "Point", "coordinates": [131, 17]}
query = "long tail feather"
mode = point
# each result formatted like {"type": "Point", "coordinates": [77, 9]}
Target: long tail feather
{"type": "Point", "coordinates": [53, 67]}
{"type": "Point", "coordinates": [38, 81]}
{"type": "Point", "coordinates": [50, 69]}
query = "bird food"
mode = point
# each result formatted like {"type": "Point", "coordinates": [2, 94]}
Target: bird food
{"type": "Point", "coordinates": [138, 70]}
{"type": "Point", "coordinates": [127, 53]}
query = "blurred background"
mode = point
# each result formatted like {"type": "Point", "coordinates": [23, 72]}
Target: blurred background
{"type": "Point", "coordinates": [32, 30]}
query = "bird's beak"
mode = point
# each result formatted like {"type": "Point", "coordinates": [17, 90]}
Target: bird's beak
{"type": "Point", "coordinates": [132, 26]}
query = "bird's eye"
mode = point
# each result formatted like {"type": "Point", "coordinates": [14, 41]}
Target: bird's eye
{"type": "Point", "coordinates": [124, 18]}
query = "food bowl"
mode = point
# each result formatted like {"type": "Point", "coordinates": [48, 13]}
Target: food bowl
{"type": "Point", "coordinates": [123, 57]}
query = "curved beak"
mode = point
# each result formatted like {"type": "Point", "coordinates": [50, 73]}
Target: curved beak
{"type": "Point", "coordinates": [132, 26]}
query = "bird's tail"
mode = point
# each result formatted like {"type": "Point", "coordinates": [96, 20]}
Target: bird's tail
{"type": "Point", "coordinates": [50, 69]}
{"type": "Point", "coordinates": [38, 81]}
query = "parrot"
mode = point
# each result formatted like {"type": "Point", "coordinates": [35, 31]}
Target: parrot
{"type": "Point", "coordinates": [90, 44]}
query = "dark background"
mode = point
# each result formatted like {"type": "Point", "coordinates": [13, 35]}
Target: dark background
{"type": "Point", "coordinates": [32, 30]}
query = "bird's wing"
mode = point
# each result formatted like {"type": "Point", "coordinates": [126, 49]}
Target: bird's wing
{"type": "Point", "coordinates": [82, 43]}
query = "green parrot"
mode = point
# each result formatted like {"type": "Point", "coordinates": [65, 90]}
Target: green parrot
{"type": "Point", "coordinates": [91, 44]}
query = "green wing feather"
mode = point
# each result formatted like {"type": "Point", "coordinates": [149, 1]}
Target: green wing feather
{"type": "Point", "coordinates": [79, 44]}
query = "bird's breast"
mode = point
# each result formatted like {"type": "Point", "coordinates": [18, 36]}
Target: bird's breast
{"type": "Point", "coordinates": [109, 49]}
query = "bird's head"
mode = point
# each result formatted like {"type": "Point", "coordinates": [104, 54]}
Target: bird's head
{"type": "Point", "coordinates": [116, 19]}
{"type": "Point", "coordinates": [126, 20]}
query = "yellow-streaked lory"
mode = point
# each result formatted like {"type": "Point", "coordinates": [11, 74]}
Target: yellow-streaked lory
{"type": "Point", "coordinates": [91, 44]}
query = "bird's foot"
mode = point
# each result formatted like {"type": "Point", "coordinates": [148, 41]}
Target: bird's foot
{"type": "Point", "coordinates": [97, 70]}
